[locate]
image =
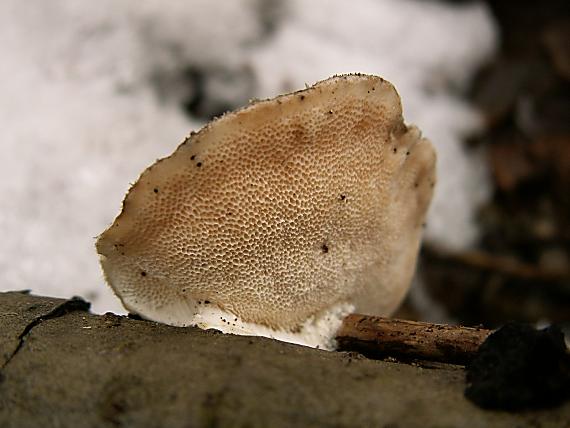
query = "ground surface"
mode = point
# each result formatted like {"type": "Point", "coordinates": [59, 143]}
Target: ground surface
{"type": "Point", "coordinates": [72, 368]}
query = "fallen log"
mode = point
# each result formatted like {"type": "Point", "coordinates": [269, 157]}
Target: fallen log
{"type": "Point", "coordinates": [63, 366]}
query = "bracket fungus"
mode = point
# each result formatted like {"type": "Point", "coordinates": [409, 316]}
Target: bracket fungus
{"type": "Point", "coordinates": [280, 218]}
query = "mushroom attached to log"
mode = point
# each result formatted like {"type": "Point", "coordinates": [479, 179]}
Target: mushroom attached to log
{"type": "Point", "coordinates": [278, 219]}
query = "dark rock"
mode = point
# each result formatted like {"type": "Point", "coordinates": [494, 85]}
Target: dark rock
{"type": "Point", "coordinates": [518, 367]}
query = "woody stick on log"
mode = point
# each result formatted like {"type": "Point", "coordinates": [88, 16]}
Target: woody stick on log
{"type": "Point", "coordinates": [383, 337]}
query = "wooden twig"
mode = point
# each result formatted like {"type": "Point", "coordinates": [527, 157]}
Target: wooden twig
{"type": "Point", "coordinates": [383, 337]}
{"type": "Point", "coordinates": [481, 260]}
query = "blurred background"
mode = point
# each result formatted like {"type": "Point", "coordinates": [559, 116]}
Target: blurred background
{"type": "Point", "coordinates": [94, 92]}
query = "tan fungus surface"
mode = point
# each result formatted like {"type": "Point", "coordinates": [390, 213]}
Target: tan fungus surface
{"type": "Point", "coordinates": [278, 211]}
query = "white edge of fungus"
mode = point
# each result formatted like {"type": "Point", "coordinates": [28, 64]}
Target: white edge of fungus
{"type": "Point", "coordinates": [317, 332]}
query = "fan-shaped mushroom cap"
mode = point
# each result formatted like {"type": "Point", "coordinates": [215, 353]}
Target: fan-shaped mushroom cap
{"type": "Point", "coordinates": [280, 217]}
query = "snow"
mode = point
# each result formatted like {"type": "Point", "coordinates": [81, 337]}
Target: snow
{"type": "Point", "coordinates": [92, 94]}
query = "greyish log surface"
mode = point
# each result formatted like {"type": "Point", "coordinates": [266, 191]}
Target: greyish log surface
{"type": "Point", "coordinates": [64, 367]}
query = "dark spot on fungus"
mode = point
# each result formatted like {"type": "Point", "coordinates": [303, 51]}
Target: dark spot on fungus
{"type": "Point", "coordinates": [155, 190]}
{"type": "Point", "coordinates": [330, 112]}
{"type": "Point", "coordinates": [143, 273]}
{"type": "Point", "coordinates": [206, 302]}
{"type": "Point", "coordinates": [302, 97]}
{"type": "Point", "coordinates": [395, 150]}
{"type": "Point", "coordinates": [407, 153]}
{"type": "Point", "coordinates": [342, 197]}
{"type": "Point", "coordinates": [199, 164]}
{"type": "Point", "coordinates": [325, 248]}
{"type": "Point", "coordinates": [192, 157]}
{"type": "Point", "coordinates": [416, 184]}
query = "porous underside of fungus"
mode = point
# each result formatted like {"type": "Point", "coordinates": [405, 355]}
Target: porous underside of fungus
{"type": "Point", "coordinates": [280, 218]}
